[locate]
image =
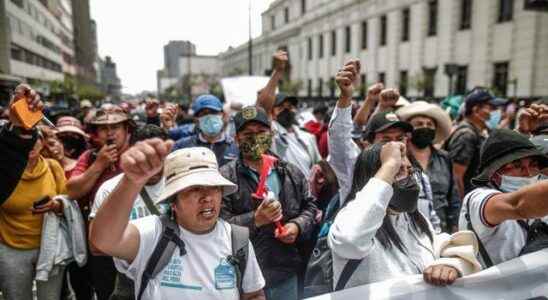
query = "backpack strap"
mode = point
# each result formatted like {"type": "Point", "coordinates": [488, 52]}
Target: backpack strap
{"type": "Point", "coordinates": [163, 251]}
{"type": "Point", "coordinates": [347, 272]}
{"type": "Point", "coordinates": [148, 202]}
{"type": "Point", "coordinates": [485, 256]}
{"type": "Point", "coordinates": [240, 252]}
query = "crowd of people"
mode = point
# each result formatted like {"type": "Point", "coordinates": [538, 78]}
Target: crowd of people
{"type": "Point", "coordinates": [212, 201]}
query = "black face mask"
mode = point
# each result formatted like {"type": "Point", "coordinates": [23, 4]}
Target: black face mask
{"type": "Point", "coordinates": [423, 137]}
{"type": "Point", "coordinates": [286, 118]}
{"type": "Point", "coordinates": [406, 195]}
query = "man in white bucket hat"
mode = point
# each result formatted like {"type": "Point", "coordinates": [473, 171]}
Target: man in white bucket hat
{"type": "Point", "coordinates": [206, 264]}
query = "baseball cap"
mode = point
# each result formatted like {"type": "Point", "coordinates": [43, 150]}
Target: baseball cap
{"type": "Point", "coordinates": [85, 104]}
{"type": "Point", "coordinates": [479, 96]}
{"type": "Point", "coordinates": [206, 101]}
{"type": "Point", "coordinates": [281, 97]}
{"type": "Point", "coordinates": [195, 166]}
{"type": "Point", "coordinates": [250, 114]}
{"type": "Point", "coordinates": [383, 121]}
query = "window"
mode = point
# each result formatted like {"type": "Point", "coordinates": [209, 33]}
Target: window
{"type": "Point", "coordinates": [18, 3]}
{"type": "Point", "coordinates": [364, 35]}
{"type": "Point", "coordinates": [382, 77]}
{"type": "Point", "coordinates": [429, 82]}
{"type": "Point", "coordinates": [309, 88]}
{"type": "Point", "coordinates": [403, 83]}
{"type": "Point", "coordinates": [462, 78]}
{"type": "Point", "coordinates": [333, 42]}
{"type": "Point", "coordinates": [273, 22]}
{"type": "Point", "coordinates": [320, 87]}
{"type": "Point", "coordinates": [303, 7]}
{"type": "Point", "coordinates": [286, 15]}
{"type": "Point", "coordinates": [16, 53]}
{"type": "Point", "coordinates": [383, 31]}
{"type": "Point", "coordinates": [405, 25]}
{"type": "Point", "coordinates": [506, 10]}
{"type": "Point", "coordinates": [465, 14]}
{"type": "Point", "coordinates": [363, 85]}
{"type": "Point", "coordinates": [348, 39]}
{"type": "Point", "coordinates": [310, 48]}
{"type": "Point", "coordinates": [500, 78]}
{"type": "Point", "coordinates": [320, 46]}
{"type": "Point", "coordinates": [432, 17]}
{"type": "Point", "coordinates": [332, 87]}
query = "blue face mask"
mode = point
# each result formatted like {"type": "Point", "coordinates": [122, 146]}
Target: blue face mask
{"type": "Point", "coordinates": [211, 125]}
{"type": "Point", "coordinates": [494, 119]}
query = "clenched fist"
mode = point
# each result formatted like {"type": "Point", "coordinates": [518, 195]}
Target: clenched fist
{"type": "Point", "coordinates": [145, 159]}
{"type": "Point", "coordinates": [388, 99]}
{"type": "Point", "coordinates": [346, 77]}
{"type": "Point", "coordinates": [280, 59]}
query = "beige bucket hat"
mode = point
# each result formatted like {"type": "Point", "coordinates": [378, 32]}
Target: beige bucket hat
{"type": "Point", "coordinates": [196, 166]}
{"type": "Point", "coordinates": [435, 112]}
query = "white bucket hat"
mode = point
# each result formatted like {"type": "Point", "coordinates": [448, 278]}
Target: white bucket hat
{"type": "Point", "coordinates": [189, 167]}
{"type": "Point", "coordinates": [435, 112]}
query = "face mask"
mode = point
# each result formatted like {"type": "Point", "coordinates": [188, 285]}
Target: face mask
{"type": "Point", "coordinates": [255, 146]}
{"type": "Point", "coordinates": [494, 119]}
{"type": "Point", "coordinates": [286, 118]}
{"type": "Point", "coordinates": [423, 137]}
{"type": "Point", "coordinates": [211, 125]}
{"type": "Point", "coordinates": [510, 184]}
{"type": "Point", "coordinates": [406, 195]}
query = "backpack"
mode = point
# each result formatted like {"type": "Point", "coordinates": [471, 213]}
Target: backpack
{"type": "Point", "coordinates": [318, 279]}
{"type": "Point", "coordinates": [170, 241]}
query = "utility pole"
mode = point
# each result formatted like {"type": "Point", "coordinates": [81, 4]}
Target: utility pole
{"type": "Point", "coordinates": [250, 48]}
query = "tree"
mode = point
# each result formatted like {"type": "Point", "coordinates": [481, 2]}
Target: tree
{"type": "Point", "coordinates": [291, 87]}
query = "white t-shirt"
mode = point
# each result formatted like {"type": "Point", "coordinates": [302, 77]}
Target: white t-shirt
{"type": "Point", "coordinates": [203, 273]}
{"type": "Point", "coordinates": [139, 209]}
{"type": "Point", "coordinates": [503, 241]}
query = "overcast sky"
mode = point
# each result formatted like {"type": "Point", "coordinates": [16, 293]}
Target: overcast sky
{"type": "Point", "coordinates": [133, 32]}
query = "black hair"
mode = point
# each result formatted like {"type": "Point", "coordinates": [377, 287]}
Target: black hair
{"type": "Point", "coordinates": [367, 165]}
{"type": "Point", "coordinates": [148, 131]}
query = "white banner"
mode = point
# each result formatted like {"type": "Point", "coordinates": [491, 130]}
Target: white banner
{"type": "Point", "coordinates": [521, 278]}
{"type": "Point", "coordinates": [243, 89]}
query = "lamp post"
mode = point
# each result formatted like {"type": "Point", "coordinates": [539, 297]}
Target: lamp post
{"type": "Point", "coordinates": [450, 70]}
{"type": "Point", "coordinates": [250, 48]}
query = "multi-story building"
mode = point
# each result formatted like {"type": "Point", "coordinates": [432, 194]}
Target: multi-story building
{"type": "Point", "coordinates": [172, 52]}
{"type": "Point", "coordinates": [110, 84]}
{"type": "Point", "coordinates": [410, 44]}
{"type": "Point", "coordinates": [85, 42]}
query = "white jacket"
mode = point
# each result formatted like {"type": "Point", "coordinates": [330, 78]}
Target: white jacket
{"type": "Point", "coordinates": [352, 236]}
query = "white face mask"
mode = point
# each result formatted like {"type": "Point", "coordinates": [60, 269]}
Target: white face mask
{"type": "Point", "coordinates": [510, 184]}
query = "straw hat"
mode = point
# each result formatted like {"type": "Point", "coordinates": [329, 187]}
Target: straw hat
{"type": "Point", "coordinates": [70, 124]}
{"type": "Point", "coordinates": [196, 166]}
{"type": "Point", "coordinates": [435, 112]}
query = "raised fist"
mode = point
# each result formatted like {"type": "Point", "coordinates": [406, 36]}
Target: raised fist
{"type": "Point", "coordinates": [280, 59]}
{"type": "Point", "coordinates": [145, 159]}
{"type": "Point", "coordinates": [346, 77]}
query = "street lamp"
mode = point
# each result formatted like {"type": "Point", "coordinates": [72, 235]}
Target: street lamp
{"type": "Point", "coordinates": [450, 71]}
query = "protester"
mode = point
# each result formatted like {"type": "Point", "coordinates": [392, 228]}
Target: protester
{"type": "Point", "coordinates": [380, 234]}
{"type": "Point", "coordinates": [277, 253]}
{"type": "Point", "coordinates": [431, 126]}
{"type": "Point", "coordinates": [318, 128]}
{"type": "Point", "coordinates": [21, 218]}
{"type": "Point", "coordinates": [152, 107]}
{"type": "Point", "coordinates": [110, 132]}
{"type": "Point", "coordinates": [86, 108]}
{"type": "Point", "coordinates": [143, 205]}
{"type": "Point", "coordinates": [194, 190]}
{"type": "Point", "coordinates": [323, 184]}
{"type": "Point", "coordinates": [509, 196]}
{"type": "Point", "coordinates": [211, 123]}
{"type": "Point", "coordinates": [289, 141]}
{"type": "Point", "coordinates": [465, 142]}
{"type": "Point", "coordinates": [16, 142]}
{"type": "Point", "coordinates": [71, 134]}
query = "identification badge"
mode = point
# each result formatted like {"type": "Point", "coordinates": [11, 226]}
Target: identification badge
{"type": "Point", "coordinates": [225, 276]}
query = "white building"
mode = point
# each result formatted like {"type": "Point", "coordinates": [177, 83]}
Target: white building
{"type": "Point", "coordinates": [40, 39]}
{"type": "Point", "coordinates": [197, 66]}
{"type": "Point", "coordinates": [405, 43]}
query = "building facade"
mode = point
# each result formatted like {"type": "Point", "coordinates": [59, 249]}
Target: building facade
{"type": "Point", "coordinates": [85, 42]}
{"type": "Point", "coordinates": [410, 44]}
{"type": "Point", "coordinates": [172, 52]}
{"type": "Point", "coordinates": [109, 83]}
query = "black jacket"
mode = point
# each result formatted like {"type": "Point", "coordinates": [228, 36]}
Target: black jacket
{"type": "Point", "coordinates": [277, 260]}
{"type": "Point", "coordinates": [14, 152]}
